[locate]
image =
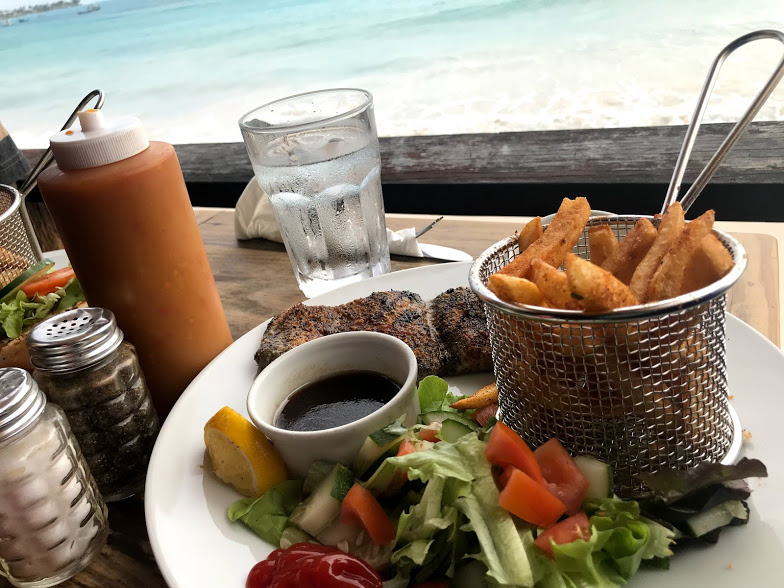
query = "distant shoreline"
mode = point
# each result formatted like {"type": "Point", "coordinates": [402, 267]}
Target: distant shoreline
{"type": "Point", "coordinates": [38, 8]}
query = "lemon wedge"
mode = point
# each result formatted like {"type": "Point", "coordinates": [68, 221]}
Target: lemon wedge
{"type": "Point", "coordinates": [241, 455]}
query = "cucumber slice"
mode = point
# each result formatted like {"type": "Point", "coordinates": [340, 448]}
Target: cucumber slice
{"type": "Point", "coordinates": [381, 478]}
{"type": "Point", "coordinates": [598, 474]}
{"type": "Point", "coordinates": [383, 437]}
{"type": "Point", "coordinates": [35, 271]}
{"type": "Point", "coordinates": [323, 505]}
{"type": "Point", "coordinates": [451, 430]}
{"type": "Point", "coordinates": [440, 416]}
{"type": "Point", "coordinates": [316, 473]}
{"type": "Point", "coordinates": [371, 451]}
{"type": "Point", "coordinates": [717, 517]}
{"type": "Point", "coordinates": [344, 480]}
{"type": "Point", "coordinates": [292, 536]}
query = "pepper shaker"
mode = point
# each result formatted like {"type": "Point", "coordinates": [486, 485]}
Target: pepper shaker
{"type": "Point", "coordinates": [84, 364]}
{"type": "Point", "coordinates": [52, 518]}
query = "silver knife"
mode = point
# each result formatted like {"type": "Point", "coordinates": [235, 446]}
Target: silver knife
{"type": "Point", "coordinates": [445, 253]}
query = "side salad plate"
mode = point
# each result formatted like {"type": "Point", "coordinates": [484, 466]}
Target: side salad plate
{"type": "Point", "coordinates": [195, 544]}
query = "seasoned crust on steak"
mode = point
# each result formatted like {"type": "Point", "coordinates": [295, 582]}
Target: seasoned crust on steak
{"type": "Point", "coordinates": [398, 313]}
{"type": "Point", "coordinates": [295, 326]}
{"type": "Point", "coordinates": [459, 319]}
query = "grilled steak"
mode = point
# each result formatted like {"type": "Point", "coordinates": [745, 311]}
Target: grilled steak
{"type": "Point", "coordinates": [459, 319]}
{"type": "Point", "coordinates": [400, 314]}
{"type": "Point", "coordinates": [448, 335]}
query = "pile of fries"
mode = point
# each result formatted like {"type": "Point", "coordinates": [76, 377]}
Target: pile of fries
{"type": "Point", "coordinates": [648, 265]}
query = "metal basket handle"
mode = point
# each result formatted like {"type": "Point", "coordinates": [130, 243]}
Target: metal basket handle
{"type": "Point", "coordinates": [694, 125]}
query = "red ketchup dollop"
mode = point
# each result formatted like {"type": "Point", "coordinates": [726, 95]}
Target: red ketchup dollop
{"type": "Point", "coordinates": [315, 566]}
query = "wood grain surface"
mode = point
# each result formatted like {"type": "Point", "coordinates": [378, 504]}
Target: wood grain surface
{"type": "Point", "coordinates": [642, 155]}
{"type": "Point", "coordinates": [255, 281]}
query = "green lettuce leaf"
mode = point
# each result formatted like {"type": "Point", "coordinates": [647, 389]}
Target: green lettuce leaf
{"type": "Point", "coordinates": [434, 395]}
{"type": "Point", "coordinates": [19, 312]}
{"type": "Point", "coordinates": [71, 295]}
{"type": "Point", "coordinates": [459, 480]}
{"type": "Point", "coordinates": [442, 460]}
{"type": "Point", "coordinates": [426, 531]}
{"type": "Point", "coordinates": [671, 485]}
{"type": "Point", "coordinates": [502, 550]}
{"type": "Point", "coordinates": [620, 540]}
{"type": "Point", "coordinates": [268, 515]}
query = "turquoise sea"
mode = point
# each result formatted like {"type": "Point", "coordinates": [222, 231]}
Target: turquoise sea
{"type": "Point", "coordinates": [190, 69]}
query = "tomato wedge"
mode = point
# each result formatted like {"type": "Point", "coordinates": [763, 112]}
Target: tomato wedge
{"type": "Point", "coordinates": [406, 447]}
{"type": "Point", "coordinates": [564, 478]}
{"type": "Point", "coordinates": [503, 479]}
{"type": "Point", "coordinates": [400, 478]}
{"type": "Point", "coordinates": [507, 448]}
{"type": "Point", "coordinates": [568, 530]}
{"type": "Point", "coordinates": [484, 414]}
{"type": "Point", "coordinates": [528, 499]}
{"type": "Point", "coordinates": [429, 434]}
{"type": "Point", "coordinates": [361, 509]}
{"type": "Point", "coordinates": [48, 283]}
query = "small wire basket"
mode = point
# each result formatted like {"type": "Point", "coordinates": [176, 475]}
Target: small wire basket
{"type": "Point", "coordinates": [16, 250]}
{"type": "Point", "coordinates": [641, 388]}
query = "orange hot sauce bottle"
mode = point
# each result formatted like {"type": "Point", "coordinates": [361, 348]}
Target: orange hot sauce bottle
{"type": "Point", "coordinates": [123, 212]}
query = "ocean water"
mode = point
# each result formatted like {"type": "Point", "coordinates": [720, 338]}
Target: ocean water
{"type": "Point", "coordinates": [190, 69]}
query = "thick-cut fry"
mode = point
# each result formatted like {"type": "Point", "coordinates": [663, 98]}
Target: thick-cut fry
{"type": "Point", "coordinates": [559, 239]}
{"type": "Point", "coordinates": [602, 242]}
{"type": "Point", "coordinates": [530, 233]}
{"type": "Point", "coordinates": [624, 260]}
{"type": "Point", "coordinates": [667, 282]}
{"type": "Point", "coordinates": [515, 290]}
{"type": "Point", "coordinates": [710, 262]}
{"type": "Point", "coordinates": [553, 285]}
{"type": "Point", "coordinates": [669, 230]}
{"type": "Point", "coordinates": [479, 399]}
{"type": "Point", "coordinates": [596, 289]}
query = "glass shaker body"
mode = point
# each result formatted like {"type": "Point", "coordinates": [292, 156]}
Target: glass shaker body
{"type": "Point", "coordinates": [107, 402]}
{"type": "Point", "coordinates": [53, 520]}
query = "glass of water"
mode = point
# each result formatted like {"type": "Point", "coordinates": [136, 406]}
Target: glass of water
{"type": "Point", "coordinates": [316, 157]}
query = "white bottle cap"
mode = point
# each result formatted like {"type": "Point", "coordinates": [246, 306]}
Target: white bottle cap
{"type": "Point", "coordinates": [98, 142]}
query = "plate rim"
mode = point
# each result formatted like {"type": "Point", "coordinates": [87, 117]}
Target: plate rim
{"type": "Point", "coordinates": [193, 390]}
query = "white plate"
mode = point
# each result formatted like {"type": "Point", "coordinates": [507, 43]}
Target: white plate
{"type": "Point", "coordinates": [196, 545]}
{"type": "Point", "coordinates": [58, 256]}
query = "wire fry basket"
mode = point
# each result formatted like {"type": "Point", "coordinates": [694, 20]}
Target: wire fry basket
{"type": "Point", "coordinates": [641, 388]}
{"type": "Point", "coordinates": [16, 250]}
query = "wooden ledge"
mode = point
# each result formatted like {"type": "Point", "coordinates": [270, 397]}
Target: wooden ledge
{"type": "Point", "coordinates": [644, 155]}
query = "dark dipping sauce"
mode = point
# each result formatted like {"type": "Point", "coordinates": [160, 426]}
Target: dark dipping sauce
{"type": "Point", "coordinates": [336, 400]}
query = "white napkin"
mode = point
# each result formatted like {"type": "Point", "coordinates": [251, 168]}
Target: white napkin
{"type": "Point", "coordinates": [255, 219]}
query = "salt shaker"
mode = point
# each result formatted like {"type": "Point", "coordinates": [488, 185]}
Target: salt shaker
{"type": "Point", "coordinates": [84, 364]}
{"type": "Point", "coordinates": [52, 518]}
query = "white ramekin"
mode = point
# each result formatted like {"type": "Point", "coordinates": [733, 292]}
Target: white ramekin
{"type": "Point", "coordinates": [318, 359]}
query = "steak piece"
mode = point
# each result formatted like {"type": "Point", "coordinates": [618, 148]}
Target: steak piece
{"type": "Point", "coordinates": [398, 313]}
{"type": "Point", "coordinates": [460, 322]}
{"type": "Point", "coordinates": [295, 326]}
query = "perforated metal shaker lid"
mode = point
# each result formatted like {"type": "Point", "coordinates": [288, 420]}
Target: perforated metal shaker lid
{"type": "Point", "coordinates": [74, 340]}
{"type": "Point", "coordinates": [21, 402]}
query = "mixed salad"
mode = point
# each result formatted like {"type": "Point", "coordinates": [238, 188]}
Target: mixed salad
{"type": "Point", "coordinates": [35, 295]}
{"type": "Point", "coordinates": [451, 502]}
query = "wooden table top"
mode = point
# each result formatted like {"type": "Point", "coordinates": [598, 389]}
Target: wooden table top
{"type": "Point", "coordinates": [255, 281]}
